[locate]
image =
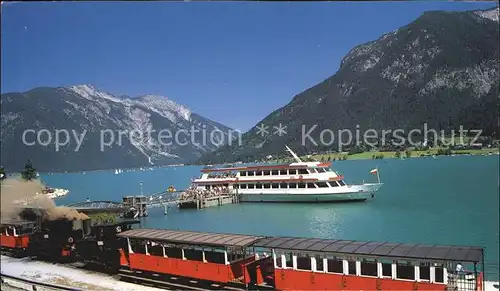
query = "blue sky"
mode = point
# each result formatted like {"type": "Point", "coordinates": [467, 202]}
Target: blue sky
{"type": "Point", "coordinates": [231, 62]}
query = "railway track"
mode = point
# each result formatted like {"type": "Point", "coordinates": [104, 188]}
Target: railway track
{"type": "Point", "coordinates": [16, 283]}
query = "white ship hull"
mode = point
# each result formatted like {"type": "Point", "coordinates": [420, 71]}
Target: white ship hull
{"type": "Point", "coordinates": [339, 194]}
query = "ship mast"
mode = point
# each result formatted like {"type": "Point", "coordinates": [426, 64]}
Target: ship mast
{"type": "Point", "coordinates": [293, 154]}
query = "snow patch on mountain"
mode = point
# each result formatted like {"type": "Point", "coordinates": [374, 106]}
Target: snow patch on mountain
{"type": "Point", "coordinates": [166, 108]}
{"type": "Point", "coordinates": [491, 14]}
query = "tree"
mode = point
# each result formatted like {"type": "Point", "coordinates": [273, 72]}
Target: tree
{"type": "Point", "coordinates": [29, 172]}
{"type": "Point", "coordinates": [408, 153]}
{"type": "Point", "coordinates": [397, 154]}
{"type": "Point", "coordinates": [2, 174]}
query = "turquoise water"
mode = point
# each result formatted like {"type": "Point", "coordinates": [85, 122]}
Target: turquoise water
{"type": "Point", "coordinates": [447, 200]}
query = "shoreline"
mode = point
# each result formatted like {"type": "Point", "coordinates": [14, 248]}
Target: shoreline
{"type": "Point", "coordinates": [316, 157]}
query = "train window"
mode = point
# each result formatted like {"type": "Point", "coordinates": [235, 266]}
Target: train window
{"type": "Point", "coordinates": [278, 261]}
{"type": "Point", "coordinates": [425, 271]}
{"type": "Point", "coordinates": [288, 260]}
{"type": "Point", "coordinates": [303, 262]}
{"type": "Point", "coordinates": [386, 268]}
{"type": "Point", "coordinates": [173, 252]}
{"type": "Point", "coordinates": [275, 172]}
{"type": "Point", "coordinates": [335, 265]}
{"type": "Point", "coordinates": [267, 173]}
{"type": "Point", "coordinates": [193, 255]}
{"type": "Point", "coordinates": [439, 274]}
{"type": "Point", "coordinates": [319, 264]}
{"type": "Point", "coordinates": [292, 172]}
{"type": "Point", "coordinates": [333, 183]}
{"type": "Point", "coordinates": [214, 257]}
{"type": "Point", "coordinates": [352, 267]}
{"type": "Point", "coordinates": [303, 172]}
{"type": "Point", "coordinates": [302, 185]}
{"type": "Point", "coordinates": [369, 267]}
{"type": "Point", "coordinates": [283, 185]}
{"type": "Point", "coordinates": [405, 270]}
{"type": "Point", "coordinates": [156, 250]}
{"type": "Point", "coordinates": [138, 247]}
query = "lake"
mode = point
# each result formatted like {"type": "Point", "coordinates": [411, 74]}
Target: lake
{"type": "Point", "coordinates": [447, 200]}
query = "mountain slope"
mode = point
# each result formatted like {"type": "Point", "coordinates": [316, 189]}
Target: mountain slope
{"type": "Point", "coordinates": [115, 130]}
{"type": "Point", "coordinates": [441, 70]}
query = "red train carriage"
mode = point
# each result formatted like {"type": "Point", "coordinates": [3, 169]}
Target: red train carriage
{"type": "Point", "coordinates": [15, 236]}
{"type": "Point", "coordinates": [207, 257]}
{"type": "Point", "coordinates": [322, 264]}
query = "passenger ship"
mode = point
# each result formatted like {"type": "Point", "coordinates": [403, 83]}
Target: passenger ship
{"type": "Point", "coordinates": [296, 182]}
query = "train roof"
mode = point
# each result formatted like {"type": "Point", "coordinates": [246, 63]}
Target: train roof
{"type": "Point", "coordinates": [375, 249]}
{"type": "Point", "coordinates": [192, 237]}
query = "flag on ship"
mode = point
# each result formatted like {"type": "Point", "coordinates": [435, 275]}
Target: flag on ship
{"type": "Point", "coordinates": [374, 171]}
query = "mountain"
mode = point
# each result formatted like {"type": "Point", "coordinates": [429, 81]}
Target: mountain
{"type": "Point", "coordinates": [441, 70]}
{"type": "Point", "coordinates": [120, 122]}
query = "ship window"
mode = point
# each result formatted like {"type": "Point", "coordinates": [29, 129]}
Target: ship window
{"type": "Point", "coordinates": [322, 184]}
{"type": "Point", "coordinates": [236, 186]}
{"type": "Point", "coordinates": [341, 183]}
{"type": "Point", "coordinates": [425, 271]}
{"type": "Point", "coordinates": [352, 267]}
{"type": "Point", "coordinates": [439, 274]}
{"type": "Point", "coordinates": [275, 185]}
{"type": "Point", "coordinates": [333, 183]}
{"type": "Point", "coordinates": [267, 186]}
{"type": "Point", "coordinates": [283, 172]}
{"type": "Point", "coordinates": [405, 270]}
{"type": "Point", "coordinates": [283, 185]}
{"type": "Point", "coordinates": [335, 265]}
{"type": "Point", "coordinates": [303, 172]}
{"type": "Point", "coordinates": [207, 187]}
{"type": "Point", "coordinates": [311, 185]}
{"type": "Point", "coordinates": [251, 173]}
{"type": "Point", "coordinates": [321, 170]}
{"type": "Point", "coordinates": [267, 173]}
{"type": "Point", "coordinates": [258, 186]}
{"type": "Point", "coordinates": [292, 172]}
{"type": "Point", "coordinates": [369, 267]}
{"type": "Point", "coordinates": [386, 268]}
{"type": "Point", "coordinates": [302, 185]}
{"type": "Point", "coordinates": [292, 185]}
{"type": "Point", "coordinates": [275, 172]}
{"type": "Point", "coordinates": [251, 186]}
{"type": "Point", "coordinates": [258, 173]}
{"type": "Point", "coordinates": [243, 173]}
{"type": "Point", "coordinates": [243, 186]}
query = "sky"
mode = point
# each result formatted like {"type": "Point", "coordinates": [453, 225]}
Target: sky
{"type": "Point", "coordinates": [232, 62]}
